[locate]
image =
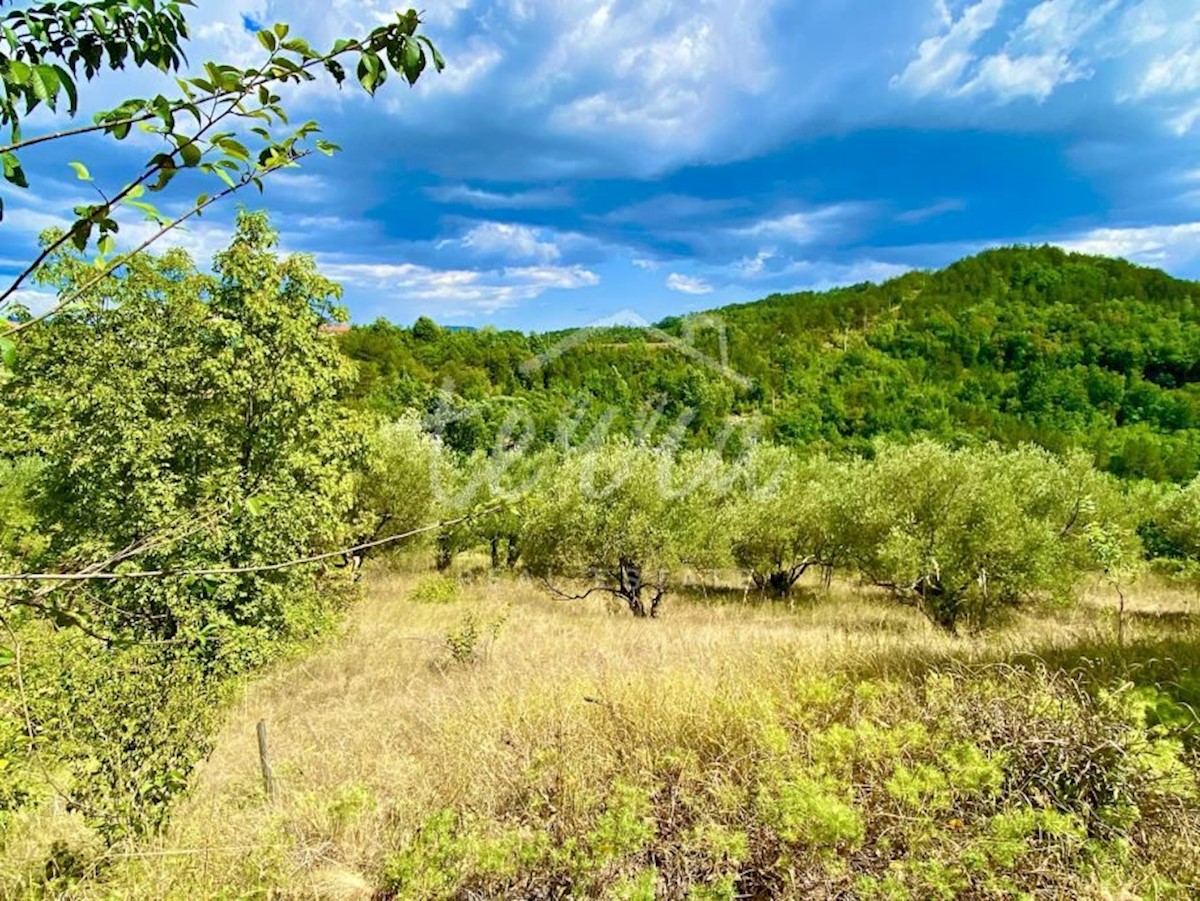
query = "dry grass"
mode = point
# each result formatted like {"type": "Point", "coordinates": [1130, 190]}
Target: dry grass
{"type": "Point", "coordinates": [380, 727]}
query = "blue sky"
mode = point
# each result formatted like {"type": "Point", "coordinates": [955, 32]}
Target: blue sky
{"type": "Point", "coordinates": [581, 160]}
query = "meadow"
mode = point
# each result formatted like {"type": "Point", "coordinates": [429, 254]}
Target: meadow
{"type": "Point", "coordinates": [469, 736]}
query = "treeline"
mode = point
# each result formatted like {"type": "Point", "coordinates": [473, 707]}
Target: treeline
{"type": "Point", "coordinates": [962, 535]}
{"type": "Point", "coordinates": [1019, 345]}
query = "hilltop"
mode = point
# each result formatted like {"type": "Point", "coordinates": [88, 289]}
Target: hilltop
{"type": "Point", "coordinates": [1019, 344]}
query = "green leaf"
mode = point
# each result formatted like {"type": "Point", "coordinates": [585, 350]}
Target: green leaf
{"type": "Point", "coordinates": [81, 171]}
{"type": "Point", "coordinates": [234, 148]}
{"type": "Point", "coordinates": [12, 170]}
{"type": "Point", "coordinates": [371, 73]}
{"type": "Point", "coordinates": [8, 353]}
{"type": "Point", "coordinates": [336, 70]}
{"type": "Point", "coordinates": [299, 45]}
{"type": "Point", "coordinates": [190, 153]}
{"type": "Point", "coordinates": [45, 83]}
{"type": "Point", "coordinates": [439, 62]}
{"type": "Point", "coordinates": [68, 84]}
{"type": "Point", "coordinates": [106, 245]}
{"type": "Point", "coordinates": [80, 234]}
{"type": "Point", "coordinates": [267, 39]}
{"type": "Point", "coordinates": [7, 657]}
{"type": "Point", "coordinates": [165, 175]}
{"type": "Point", "coordinates": [18, 72]}
{"type": "Point", "coordinates": [413, 61]}
{"type": "Point", "coordinates": [281, 30]}
{"type": "Point", "coordinates": [149, 209]}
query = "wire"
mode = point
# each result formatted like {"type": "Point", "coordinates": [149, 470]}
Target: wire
{"type": "Point", "coordinates": [236, 570]}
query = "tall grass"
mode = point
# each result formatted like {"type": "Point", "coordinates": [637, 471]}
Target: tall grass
{"type": "Point", "coordinates": [569, 723]}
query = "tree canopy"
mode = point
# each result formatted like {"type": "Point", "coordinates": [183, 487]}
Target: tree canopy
{"type": "Point", "coordinates": [1015, 345]}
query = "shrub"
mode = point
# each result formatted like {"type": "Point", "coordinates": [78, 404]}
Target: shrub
{"type": "Point", "coordinates": [974, 784]}
{"type": "Point", "coordinates": [436, 589]}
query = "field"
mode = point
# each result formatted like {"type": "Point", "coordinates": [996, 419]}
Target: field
{"type": "Point", "coordinates": [469, 737]}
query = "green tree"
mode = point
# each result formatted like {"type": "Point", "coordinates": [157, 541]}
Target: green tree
{"type": "Point", "coordinates": [962, 535]}
{"type": "Point", "coordinates": [624, 517]}
{"type": "Point", "coordinates": [784, 520]}
{"type": "Point", "coordinates": [209, 437]}
{"type": "Point", "coordinates": [401, 483]}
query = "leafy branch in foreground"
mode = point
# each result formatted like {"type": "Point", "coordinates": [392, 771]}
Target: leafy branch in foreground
{"type": "Point", "coordinates": [229, 123]}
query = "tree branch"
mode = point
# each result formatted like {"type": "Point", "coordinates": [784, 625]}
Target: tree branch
{"type": "Point", "coordinates": [578, 597]}
{"type": "Point", "coordinates": [236, 570]}
{"type": "Point", "coordinates": [120, 261]}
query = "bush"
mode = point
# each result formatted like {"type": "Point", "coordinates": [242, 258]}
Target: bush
{"type": "Point", "coordinates": [976, 784]}
{"type": "Point", "coordinates": [436, 589]}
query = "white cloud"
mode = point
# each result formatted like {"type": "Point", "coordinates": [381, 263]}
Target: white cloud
{"type": "Point", "coordinates": [932, 211]}
{"type": "Point", "coordinates": [1062, 24]}
{"type": "Point", "coordinates": [1175, 73]}
{"type": "Point", "coordinates": [470, 66]}
{"type": "Point", "coordinates": [805, 227]}
{"type": "Point", "coordinates": [536, 198]}
{"type": "Point", "coordinates": [756, 265]}
{"type": "Point", "coordinates": [481, 290]}
{"type": "Point", "coordinates": [687, 284]}
{"type": "Point", "coordinates": [816, 274]}
{"type": "Point", "coordinates": [942, 59]}
{"type": "Point", "coordinates": [1163, 246]}
{"type": "Point", "coordinates": [659, 73]}
{"type": "Point", "coordinates": [506, 240]}
{"type": "Point", "coordinates": [309, 186]}
{"type": "Point", "coordinates": [1037, 57]}
{"type": "Point", "coordinates": [1163, 71]}
{"type": "Point", "coordinates": [1035, 76]}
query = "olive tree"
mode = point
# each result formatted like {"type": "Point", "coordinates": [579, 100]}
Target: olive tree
{"type": "Point", "coordinates": [400, 484]}
{"type": "Point", "coordinates": [623, 517]}
{"type": "Point", "coordinates": [963, 534]}
{"type": "Point", "coordinates": [784, 519]}
{"type": "Point", "coordinates": [493, 486]}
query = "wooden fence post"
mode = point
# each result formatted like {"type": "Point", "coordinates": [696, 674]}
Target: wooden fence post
{"type": "Point", "coordinates": [264, 760]}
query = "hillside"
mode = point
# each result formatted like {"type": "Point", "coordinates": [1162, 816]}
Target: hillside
{"type": "Point", "coordinates": [1016, 344]}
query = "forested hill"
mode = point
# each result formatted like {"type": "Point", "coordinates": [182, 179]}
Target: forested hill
{"type": "Point", "coordinates": [1016, 344]}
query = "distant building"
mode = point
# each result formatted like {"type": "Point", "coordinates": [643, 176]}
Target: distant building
{"type": "Point", "coordinates": [334, 328]}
